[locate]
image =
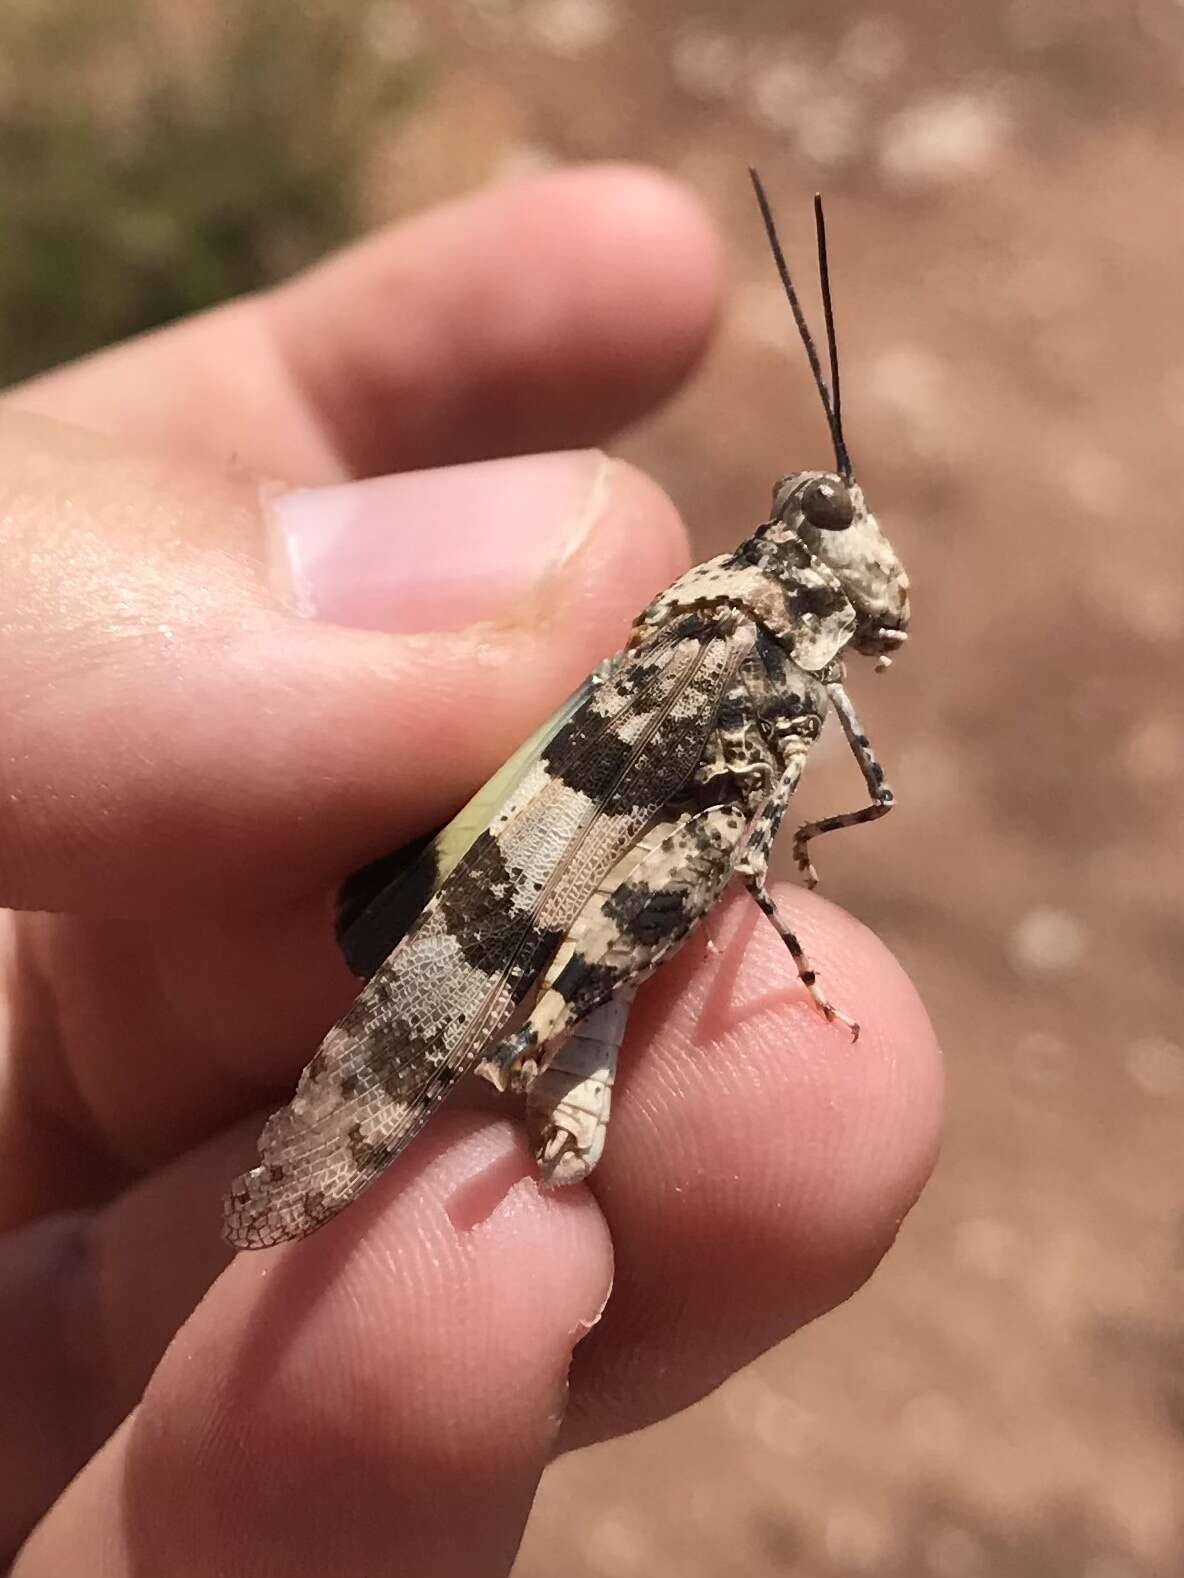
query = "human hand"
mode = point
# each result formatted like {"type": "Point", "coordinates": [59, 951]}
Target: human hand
{"type": "Point", "coordinates": [187, 768]}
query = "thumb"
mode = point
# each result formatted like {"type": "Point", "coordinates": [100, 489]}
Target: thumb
{"type": "Point", "coordinates": [228, 693]}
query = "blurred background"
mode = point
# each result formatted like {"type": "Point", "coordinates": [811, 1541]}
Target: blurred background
{"type": "Point", "coordinates": [1007, 216]}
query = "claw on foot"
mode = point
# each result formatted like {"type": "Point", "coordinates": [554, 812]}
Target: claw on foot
{"type": "Point", "coordinates": [831, 1014]}
{"type": "Point", "coordinates": [805, 866]}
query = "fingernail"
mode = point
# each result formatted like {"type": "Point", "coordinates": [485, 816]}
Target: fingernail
{"type": "Point", "coordinates": [437, 550]}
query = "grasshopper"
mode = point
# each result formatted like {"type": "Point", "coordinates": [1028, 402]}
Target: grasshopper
{"type": "Point", "coordinates": [512, 943]}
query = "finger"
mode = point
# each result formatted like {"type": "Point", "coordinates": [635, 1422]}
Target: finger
{"type": "Point", "coordinates": [382, 1398]}
{"type": "Point", "coordinates": [759, 1163]}
{"type": "Point", "coordinates": [757, 1167]}
{"type": "Point", "coordinates": [175, 732]}
{"type": "Point", "coordinates": [540, 315]}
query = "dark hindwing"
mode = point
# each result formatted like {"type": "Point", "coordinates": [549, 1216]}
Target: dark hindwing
{"type": "Point", "coordinates": [476, 952]}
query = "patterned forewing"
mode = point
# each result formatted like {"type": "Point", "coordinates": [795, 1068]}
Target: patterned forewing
{"type": "Point", "coordinates": [477, 951]}
{"type": "Point", "coordinates": [378, 905]}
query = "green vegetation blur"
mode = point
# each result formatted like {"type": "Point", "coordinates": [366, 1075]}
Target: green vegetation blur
{"type": "Point", "coordinates": [153, 164]}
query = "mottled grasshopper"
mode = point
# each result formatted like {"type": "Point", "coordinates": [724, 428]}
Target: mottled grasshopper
{"type": "Point", "coordinates": [513, 942]}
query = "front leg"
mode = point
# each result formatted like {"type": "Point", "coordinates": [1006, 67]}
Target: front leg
{"type": "Point", "coordinates": [873, 776]}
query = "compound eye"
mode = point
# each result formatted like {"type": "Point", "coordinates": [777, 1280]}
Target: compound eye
{"type": "Point", "coordinates": [827, 504]}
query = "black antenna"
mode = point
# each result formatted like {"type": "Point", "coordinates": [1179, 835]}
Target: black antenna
{"type": "Point", "coordinates": [842, 458]}
{"type": "Point", "coordinates": [841, 454]}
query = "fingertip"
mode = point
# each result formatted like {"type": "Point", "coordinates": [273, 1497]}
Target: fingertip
{"type": "Point", "coordinates": [635, 276]}
{"type": "Point", "coordinates": [470, 697]}
{"type": "Point", "coordinates": [863, 1117]}
{"type": "Point", "coordinates": [636, 218]}
{"type": "Point", "coordinates": [839, 1134]}
{"type": "Point", "coordinates": [760, 1163]}
{"type": "Point", "coordinates": [892, 1085]}
{"type": "Point", "coordinates": [473, 696]}
{"type": "Point", "coordinates": [547, 313]}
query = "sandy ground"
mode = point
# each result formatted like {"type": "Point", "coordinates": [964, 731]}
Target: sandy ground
{"type": "Point", "coordinates": [1007, 1396]}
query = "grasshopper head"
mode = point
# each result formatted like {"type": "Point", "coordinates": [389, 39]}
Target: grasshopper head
{"type": "Point", "coordinates": [825, 510]}
{"type": "Point", "coordinates": [828, 513]}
